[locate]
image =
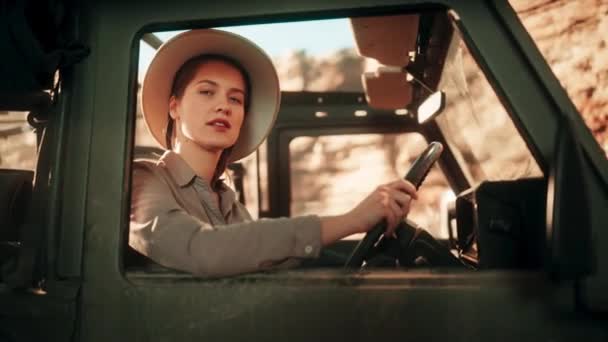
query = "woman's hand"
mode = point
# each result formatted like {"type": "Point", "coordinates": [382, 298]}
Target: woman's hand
{"type": "Point", "coordinates": [389, 201]}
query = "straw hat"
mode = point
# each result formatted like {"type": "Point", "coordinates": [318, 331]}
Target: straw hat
{"type": "Point", "coordinates": [265, 92]}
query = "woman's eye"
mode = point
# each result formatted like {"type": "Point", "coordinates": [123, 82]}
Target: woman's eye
{"type": "Point", "coordinates": [236, 100]}
{"type": "Point", "coordinates": [206, 92]}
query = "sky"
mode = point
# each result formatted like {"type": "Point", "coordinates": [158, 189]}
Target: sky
{"type": "Point", "coordinates": [319, 37]}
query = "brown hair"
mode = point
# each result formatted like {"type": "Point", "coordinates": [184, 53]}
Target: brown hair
{"type": "Point", "coordinates": [183, 77]}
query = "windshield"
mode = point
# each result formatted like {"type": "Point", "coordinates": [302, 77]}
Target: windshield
{"type": "Point", "coordinates": [476, 125]}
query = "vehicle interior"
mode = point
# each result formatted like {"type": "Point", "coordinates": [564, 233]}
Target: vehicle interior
{"type": "Point", "coordinates": [485, 200]}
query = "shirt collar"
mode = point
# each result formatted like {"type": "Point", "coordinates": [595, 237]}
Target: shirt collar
{"type": "Point", "coordinates": [181, 172]}
{"type": "Point", "coordinates": [183, 175]}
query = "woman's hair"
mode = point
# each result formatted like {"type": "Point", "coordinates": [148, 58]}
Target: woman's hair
{"type": "Point", "coordinates": [183, 77]}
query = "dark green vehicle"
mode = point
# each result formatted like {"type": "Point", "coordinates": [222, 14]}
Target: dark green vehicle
{"type": "Point", "coordinates": [520, 195]}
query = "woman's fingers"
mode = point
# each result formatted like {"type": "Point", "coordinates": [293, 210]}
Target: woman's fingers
{"type": "Point", "coordinates": [406, 187]}
{"type": "Point", "coordinates": [396, 215]}
{"type": "Point", "coordinates": [390, 201]}
{"type": "Point", "coordinates": [391, 219]}
{"type": "Point", "coordinates": [398, 198]}
{"type": "Point", "coordinates": [402, 199]}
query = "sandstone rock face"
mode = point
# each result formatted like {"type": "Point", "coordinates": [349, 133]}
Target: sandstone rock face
{"type": "Point", "coordinates": [340, 71]}
{"type": "Point", "coordinates": [572, 37]}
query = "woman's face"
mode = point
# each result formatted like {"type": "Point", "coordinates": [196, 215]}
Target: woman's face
{"type": "Point", "coordinates": [211, 109]}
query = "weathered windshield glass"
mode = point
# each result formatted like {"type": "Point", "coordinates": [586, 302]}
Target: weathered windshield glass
{"type": "Point", "coordinates": [476, 125]}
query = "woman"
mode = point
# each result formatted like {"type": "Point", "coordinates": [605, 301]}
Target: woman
{"type": "Point", "coordinates": [210, 98]}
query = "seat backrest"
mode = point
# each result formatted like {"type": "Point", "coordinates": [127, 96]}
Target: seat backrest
{"type": "Point", "coordinates": [15, 195]}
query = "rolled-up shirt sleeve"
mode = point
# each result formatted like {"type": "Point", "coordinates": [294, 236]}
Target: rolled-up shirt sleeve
{"type": "Point", "coordinates": [163, 231]}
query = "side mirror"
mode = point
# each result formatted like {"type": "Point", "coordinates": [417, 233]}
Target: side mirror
{"type": "Point", "coordinates": [431, 107]}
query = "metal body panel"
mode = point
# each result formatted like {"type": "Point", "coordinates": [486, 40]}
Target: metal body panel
{"type": "Point", "coordinates": [114, 306]}
{"type": "Point", "coordinates": [327, 305]}
{"type": "Point", "coordinates": [35, 316]}
{"type": "Point", "coordinates": [78, 128]}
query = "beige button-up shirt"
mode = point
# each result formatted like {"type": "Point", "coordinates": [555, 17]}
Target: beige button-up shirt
{"type": "Point", "coordinates": [176, 223]}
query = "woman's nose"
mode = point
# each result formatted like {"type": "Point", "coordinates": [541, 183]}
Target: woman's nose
{"type": "Point", "coordinates": [223, 107]}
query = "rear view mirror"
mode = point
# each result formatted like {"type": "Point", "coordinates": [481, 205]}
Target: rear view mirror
{"type": "Point", "coordinates": [431, 107]}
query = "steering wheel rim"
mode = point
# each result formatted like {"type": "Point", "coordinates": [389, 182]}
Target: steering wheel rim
{"type": "Point", "coordinates": [414, 242]}
{"type": "Point", "coordinates": [416, 174]}
{"type": "Point", "coordinates": [365, 246]}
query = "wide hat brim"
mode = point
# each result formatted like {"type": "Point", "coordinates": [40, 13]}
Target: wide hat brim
{"type": "Point", "coordinates": [265, 91]}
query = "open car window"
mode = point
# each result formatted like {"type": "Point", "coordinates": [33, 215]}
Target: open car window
{"type": "Point", "coordinates": [474, 122]}
{"type": "Point", "coordinates": [353, 119]}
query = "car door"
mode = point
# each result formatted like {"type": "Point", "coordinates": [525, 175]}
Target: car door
{"type": "Point", "coordinates": [154, 303]}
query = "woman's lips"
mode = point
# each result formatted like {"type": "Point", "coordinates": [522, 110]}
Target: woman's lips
{"type": "Point", "coordinates": [219, 123]}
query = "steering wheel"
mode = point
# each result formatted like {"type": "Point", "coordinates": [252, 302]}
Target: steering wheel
{"type": "Point", "coordinates": [415, 175]}
{"type": "Point", "coordinates": [365, 246]}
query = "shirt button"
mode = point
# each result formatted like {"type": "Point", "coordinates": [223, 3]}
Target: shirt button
{"type": "Point", "coordinates": [308, 249]}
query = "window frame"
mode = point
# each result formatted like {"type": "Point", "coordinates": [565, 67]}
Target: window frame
{"type": "Point", "coordinates": [276, 208]}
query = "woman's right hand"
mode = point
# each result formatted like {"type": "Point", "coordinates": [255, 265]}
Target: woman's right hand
{"type": "Point", "coordinates": [389, 201]}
